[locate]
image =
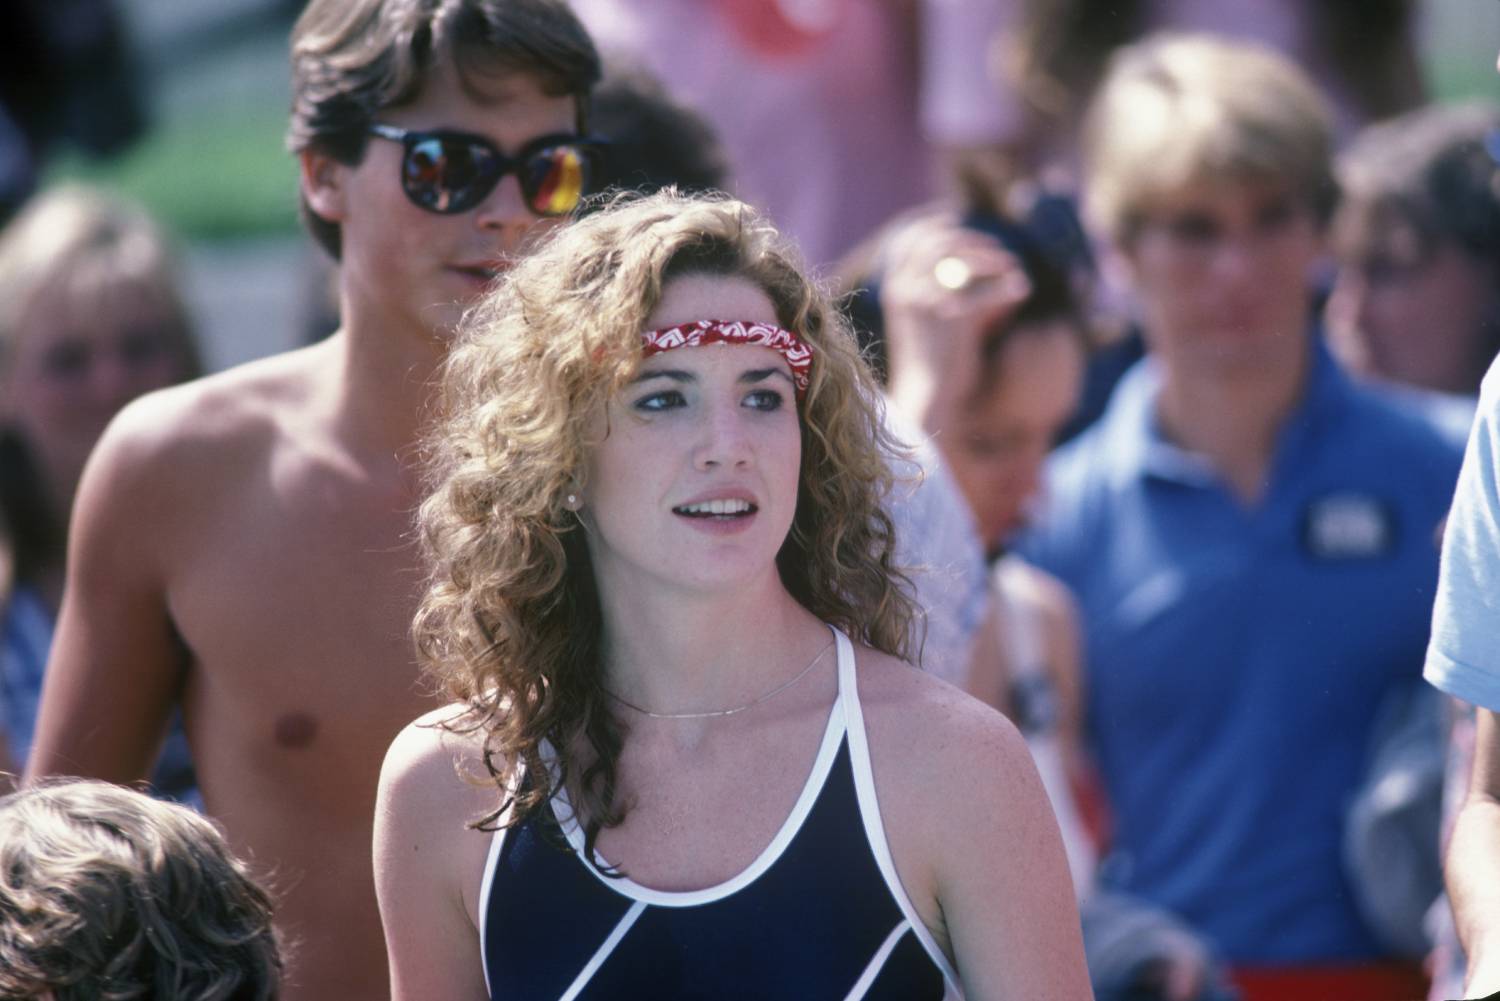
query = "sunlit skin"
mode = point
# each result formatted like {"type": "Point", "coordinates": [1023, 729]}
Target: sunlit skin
{"type": "Point", "coordinates": [411, 269]}
{"type": "Point", "coordinates": [997, 444]}
{"type": "Point", "coordinates": [1412, 314]}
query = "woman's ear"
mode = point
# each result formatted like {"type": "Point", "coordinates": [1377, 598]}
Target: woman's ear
{"type": "Point", "coordinates": [324, 184]}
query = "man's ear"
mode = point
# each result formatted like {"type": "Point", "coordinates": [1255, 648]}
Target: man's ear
{"type": "Point", "coordinates": [324, 184]}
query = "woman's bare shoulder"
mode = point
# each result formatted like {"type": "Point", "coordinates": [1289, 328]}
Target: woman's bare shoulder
{"type": "Point", "coordinates": [967, 820]}
{"type": "Point", "coordinates": [430, 859]}
{"type": "Point", "coordinates": [434, 771]}
{"type": "Point", "coordinates": [943, 734]}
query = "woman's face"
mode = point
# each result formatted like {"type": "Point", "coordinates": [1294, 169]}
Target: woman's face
{"type": "Point", "coordinates": [1001, 440]}
{"type": "Point", "coordinates": [76, 362]}
{"type": "Point", "coordinates": [694, 484]}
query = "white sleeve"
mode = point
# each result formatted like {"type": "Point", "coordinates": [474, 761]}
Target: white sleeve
{"type": "Point", "coordinates": [937, 543]}
{"type": "Point", "coordinates": [1463, 657]}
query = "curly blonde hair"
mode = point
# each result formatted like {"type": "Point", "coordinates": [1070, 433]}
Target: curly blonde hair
{"type": "Point", "coordinates": [510, 622]}
{"type": "Point", "coordinates": [109, 895]}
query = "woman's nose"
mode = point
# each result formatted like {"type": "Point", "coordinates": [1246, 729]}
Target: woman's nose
{"type": "Point", "coordinates": [725, 440]}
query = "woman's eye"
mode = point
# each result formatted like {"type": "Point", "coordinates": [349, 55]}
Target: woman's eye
{"type": "Point", "coordinates": [765, 399]}
{"type": "Point", "coordinates": [667, 399]}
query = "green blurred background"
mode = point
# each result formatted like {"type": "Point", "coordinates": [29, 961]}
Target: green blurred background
{"type": "Point", "coordinates": [214, 164]}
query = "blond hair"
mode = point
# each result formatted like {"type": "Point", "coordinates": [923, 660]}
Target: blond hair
{"type": "Point", "coordinates": [108, 894]}
{"type": "Point", "coordinates": [1175, 109]}
{"type": "Point", "coordinates": [79, 244]}
{"type": "Point", "coordinates": [510, 623]}
{"type": "Point", "coordinates": [80, 250]}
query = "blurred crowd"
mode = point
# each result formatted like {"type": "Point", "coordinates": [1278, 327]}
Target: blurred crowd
{"type": "Point", "coordinates": [1183, 309]}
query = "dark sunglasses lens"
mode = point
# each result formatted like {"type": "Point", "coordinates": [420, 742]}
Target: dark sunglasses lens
{"type": "Point", "coordinates": [445, 175]}
{"type": "Point", "coordinates": [555, 179]}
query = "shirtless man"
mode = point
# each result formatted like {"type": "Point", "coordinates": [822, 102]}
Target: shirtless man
{"type": "Point", "coordinates": [243, 543]}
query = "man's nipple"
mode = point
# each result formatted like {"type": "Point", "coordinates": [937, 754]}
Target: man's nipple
{"type": "Point", "coordinates": [295, 730]}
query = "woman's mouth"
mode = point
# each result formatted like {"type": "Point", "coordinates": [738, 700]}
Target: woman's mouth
{"type": "Point", "coordinates": [726, 508]}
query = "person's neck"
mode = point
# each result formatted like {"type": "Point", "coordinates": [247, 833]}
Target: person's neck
{"type": "Point", "coordinates": [1233, 417]}
{"type": "Point", "coordinates": [388, 378]}
{"type": "Point", "coordinates": [680, 653]}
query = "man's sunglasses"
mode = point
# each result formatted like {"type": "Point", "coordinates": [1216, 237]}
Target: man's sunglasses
{"type": "Point", "coordinates": [451, 172]}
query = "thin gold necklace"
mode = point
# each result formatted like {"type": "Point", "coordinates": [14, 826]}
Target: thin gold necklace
{"type": "Point", "coordinates": [727, 712]}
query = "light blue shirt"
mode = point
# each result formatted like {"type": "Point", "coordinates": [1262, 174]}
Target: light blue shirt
{"type": "Point", "coordinates": [1463, 658]}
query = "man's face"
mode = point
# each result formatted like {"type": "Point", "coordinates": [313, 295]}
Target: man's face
{"type": "Point", "coordinates": [404, 264]}
{"type": "Point", "coordinates": [1221, 268]}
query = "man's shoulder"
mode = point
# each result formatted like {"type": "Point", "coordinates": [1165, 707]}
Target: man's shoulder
{"type": "Point", "coordinates": [1087, 458]}
{"type": "Point", "coordinates": [218, 417]}
{"type": "Point", "coordinates": [1407, 447]}
{"type": "Point", "coordinates": [1081, 475]}
{"type": "Point", "coordinates": [1110, 450]}
{"type": "Point", "coordinates": [1398, 418]}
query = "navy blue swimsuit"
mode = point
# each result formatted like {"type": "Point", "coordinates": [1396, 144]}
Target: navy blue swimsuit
{"type": "Point", "coordinates": [820, 914]}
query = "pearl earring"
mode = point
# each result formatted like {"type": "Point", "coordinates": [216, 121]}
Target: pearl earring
{"type": "Point", "coordinates": [571, 502]}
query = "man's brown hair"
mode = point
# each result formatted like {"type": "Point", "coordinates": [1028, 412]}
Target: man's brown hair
{"type": "Point", "coordinates": [352, 59]}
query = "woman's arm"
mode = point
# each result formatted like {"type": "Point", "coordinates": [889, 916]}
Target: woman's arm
{"type": "Point", "coordinates": [429, 864]}
{"type": "Point", "coordinates": [1001, 875]}
{"type": "Point", "coordinates": [973, 837]}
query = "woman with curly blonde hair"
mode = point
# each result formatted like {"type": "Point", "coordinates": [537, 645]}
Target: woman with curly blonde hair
{"type": "Point", "coordinates": [691, 758]}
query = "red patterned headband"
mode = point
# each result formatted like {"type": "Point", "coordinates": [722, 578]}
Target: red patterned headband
{"type": "Point", "coordinates": [797, 352]}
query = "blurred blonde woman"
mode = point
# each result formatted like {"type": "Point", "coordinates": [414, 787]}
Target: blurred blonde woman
{"type": "Point", "coordinates": [91, 316]}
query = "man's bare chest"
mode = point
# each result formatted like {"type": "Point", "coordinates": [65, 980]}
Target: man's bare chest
{"type": "Point", "coordinates": [295, 604]}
